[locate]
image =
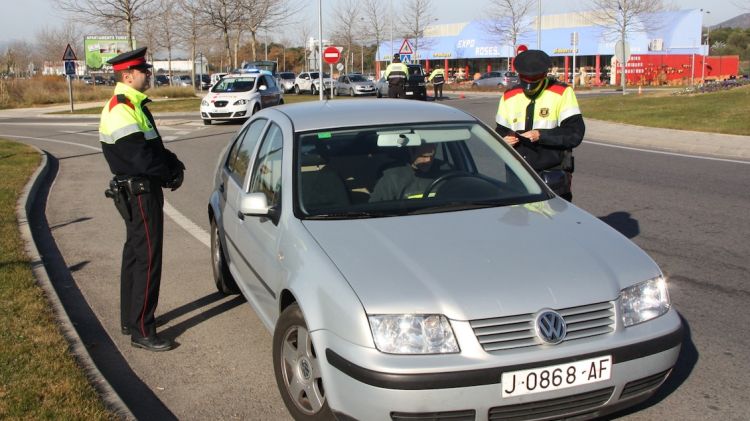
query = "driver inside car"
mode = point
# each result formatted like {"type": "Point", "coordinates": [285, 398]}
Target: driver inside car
{"type": "Point", "coordinates": [409, 181]}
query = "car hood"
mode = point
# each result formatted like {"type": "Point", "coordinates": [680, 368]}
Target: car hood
{"type": "Point", "coordinates": [483, 263]}
{"type": "Point", "coordinates": [229, 96]}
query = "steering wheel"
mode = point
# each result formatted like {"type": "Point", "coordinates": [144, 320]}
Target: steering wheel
{"type": "Point", "coordinates": [447, 176]}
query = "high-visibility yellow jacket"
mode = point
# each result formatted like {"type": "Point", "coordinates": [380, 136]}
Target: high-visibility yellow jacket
{"type": "Point", "coordinates": [130, 141]}
{"type": "Point", "coordinates": [554, 112]}
{"type": "Point", "coordinates": [437, 76]}
{"type": "Point", "coordinates": [396, 73]}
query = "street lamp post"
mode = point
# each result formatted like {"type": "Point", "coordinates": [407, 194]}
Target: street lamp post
{"type": "Point", "coordinates": [708, 49]}
{"type": "Point", "coordinates": [539, 25]}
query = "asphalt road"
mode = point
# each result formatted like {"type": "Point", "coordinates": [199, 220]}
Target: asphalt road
{"type": "Point", "coordinates": [689, 214]}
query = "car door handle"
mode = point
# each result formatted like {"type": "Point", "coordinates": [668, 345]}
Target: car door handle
{"type": "Point", "coordinates": [240, 216]}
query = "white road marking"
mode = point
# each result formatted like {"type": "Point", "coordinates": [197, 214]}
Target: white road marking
{"type": "Point", "coordinates": [183, 221]}
{"type": "Point", "coordinates": [708, 158]}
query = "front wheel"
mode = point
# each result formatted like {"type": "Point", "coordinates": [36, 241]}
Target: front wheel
{"type": "Point", "coordinates": [297, 368]}
{"type": "Point", "coordinates": [351, 92]}
{"type": "Point", "coordinates": [314, 90]}
{"type": "Point", "coordinates": [222, 277]}
{"type": "Point", "coordinates": [296, 89]}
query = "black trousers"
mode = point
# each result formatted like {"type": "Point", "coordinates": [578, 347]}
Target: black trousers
{"type": "Point", "coordinates": [438, 88]}
{"type": "Point", "coordinates": [140, 274]}
{"type": "Point", "coordinates": [396, 90]}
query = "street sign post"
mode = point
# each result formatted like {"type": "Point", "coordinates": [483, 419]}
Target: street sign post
{"type": "Point", "coordinates": [331, 55]}
{"type": "Point", "coordinates": [69, 58]}
{"type": "Point", "coordinates": [622, 52]}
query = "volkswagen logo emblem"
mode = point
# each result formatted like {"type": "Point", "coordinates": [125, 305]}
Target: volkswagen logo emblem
{"type": "Point", "coordinates": [550, 327]}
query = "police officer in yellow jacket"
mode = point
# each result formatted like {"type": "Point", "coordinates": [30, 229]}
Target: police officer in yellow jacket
{"type": "Point", "coordinates": [437, 77]}
{"type": "Point", "coordinates": [141, 165]}
{"type": "Point", "coordinates": [396, 74]}
{"type": "Point", "coordinates": [540, 118]}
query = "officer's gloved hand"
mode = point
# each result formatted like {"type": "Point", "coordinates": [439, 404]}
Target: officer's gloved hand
{"type": "Point", "coordinates": [176, 181]}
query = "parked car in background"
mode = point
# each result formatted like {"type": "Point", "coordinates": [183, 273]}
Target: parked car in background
{"type": "Point", "coordinates": [473, 292]}
{"type": "Point", "coordinates": [181, 80]}
{"type": "Point", "coordinates": [205, 81]}
{"type": "Point", "coordinates": [503, 79]}
{"type": "Point", "coordinates": [100, 80]}
{"type": "Point", "coordinates": [355, 84]}
{"type": "Point", "coordinates": [215, 77]}
{"type": "Point", "coordinates": [161, 80]}
{"type": "Point", "coordinates": [88, 80]}
{"type": "Point", "coordinates": [238, 96]}
{"type": "Point", "coordinates": [309, 82]}
{"type": "Point", "coordinates": [416, 84]}
{"type": "Point", "coordinates": [285, 81]}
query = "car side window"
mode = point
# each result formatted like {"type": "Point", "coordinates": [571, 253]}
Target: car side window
{"type": "Point", "coordinates": [242, 149]}
{"type": "Point", "coordinates": [271, 82]}
{"type": "Point", "coordinates": [266, 177]}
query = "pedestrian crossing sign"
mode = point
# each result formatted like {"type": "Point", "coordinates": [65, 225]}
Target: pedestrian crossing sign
{"type": "Point", "coordinates": [405, 48]}
{"type": "Point", "coordinates": [69, 54]}
{"type": "Point", "coordinates": [405, 58]}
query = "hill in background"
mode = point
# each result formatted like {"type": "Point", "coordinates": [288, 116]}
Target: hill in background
{"type": "Point", "coordinates": [740, 21]}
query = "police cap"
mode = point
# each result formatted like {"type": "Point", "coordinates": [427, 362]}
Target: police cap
{"type": "Point", "coordinates": [532, 62]}
{"type": "Point", "coordinates": [129, 60]}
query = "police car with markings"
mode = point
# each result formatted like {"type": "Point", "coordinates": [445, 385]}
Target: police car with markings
{"type": "Point", "coordinates": [240, 95]}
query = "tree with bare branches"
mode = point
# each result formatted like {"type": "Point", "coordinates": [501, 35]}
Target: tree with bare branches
{"type": "Point", "coordinates": [507, 20]}
{"type": "Point", "coordinates": [51, 42]}
{"type": "Point", "coordinates": [224, 15]}
{"type": "Point", "coordinates": [263, 15]}
{"type": "Point", "coordinates": [347, 26]}
{"type": "Point", "coordinates": [190, 28]}
{"type": "Point", "coordinates": [618, 18]}
{"type": "Point", "coordinates": [165, 22]}
{"type": "Point", "coordinates": [103, 12]}
{"type": "Point", "coordinates": [375, 21]}
{"type": "Point", "coordinates": [414, 18]}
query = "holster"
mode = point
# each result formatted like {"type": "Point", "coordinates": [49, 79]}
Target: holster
{"type": "Point", "coordinates": [118, 193]}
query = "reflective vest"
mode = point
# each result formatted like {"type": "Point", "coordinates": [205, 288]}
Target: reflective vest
{"type": "Point", "coordinates": [437, 76]}
{"type": "Point", "coordinates": [396, 73]}
{"type": "Point", "coordinates": [556, 103]}
{"type": "Point", "coordinates": [123, 115]}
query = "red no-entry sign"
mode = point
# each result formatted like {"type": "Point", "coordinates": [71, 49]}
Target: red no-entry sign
{"type": "Point", "coordinates": [331, 55]}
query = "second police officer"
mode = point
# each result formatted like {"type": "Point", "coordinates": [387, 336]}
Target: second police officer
{"type": "Point", "coordinates": [541, 119]}
{"type": "Point", "coordinates": [141, 165]}
{"type": "Point", "coordinates": [396, 74]}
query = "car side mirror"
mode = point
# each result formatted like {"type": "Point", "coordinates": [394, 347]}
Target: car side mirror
{"type": "Point", "coordinates": [262, 87]}
{"type": "Point", "coordinates": [256, 204]}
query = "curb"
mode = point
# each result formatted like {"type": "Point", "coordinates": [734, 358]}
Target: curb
{"type": "Point", "coordinates": [111, 399]}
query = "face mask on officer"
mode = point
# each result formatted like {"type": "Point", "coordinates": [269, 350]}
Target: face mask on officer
{"type": "Point", "coordinates": [532, 84]}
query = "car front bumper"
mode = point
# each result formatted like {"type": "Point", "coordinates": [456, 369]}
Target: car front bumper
{"type": "Point", "coordinates": [229, 112]}
{"type": "Point", "coordinates": [362, 383]}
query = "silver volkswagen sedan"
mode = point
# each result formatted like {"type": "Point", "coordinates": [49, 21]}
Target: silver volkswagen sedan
{"type": "Point", "coordinates": [410, 265]}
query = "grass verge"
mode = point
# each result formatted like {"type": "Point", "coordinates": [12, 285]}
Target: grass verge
{"type": "Point", "coordinates": [715, 112]}
{"type": "Point", "coordinates": [39, 378]}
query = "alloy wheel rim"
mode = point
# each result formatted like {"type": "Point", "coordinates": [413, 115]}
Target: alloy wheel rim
{"type": "Point", "coordinates": [301, 371]}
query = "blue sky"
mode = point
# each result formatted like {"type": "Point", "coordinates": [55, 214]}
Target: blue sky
{"type": "Point", "coordinates": [23, 19]}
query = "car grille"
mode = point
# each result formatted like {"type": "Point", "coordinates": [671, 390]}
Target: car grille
{"type": "Point", "coordinates": [220, 103]}
{"type": "Point", "coordinates": [502, 333]}
{"type": "Point", "coordinates": [646, 384]}
{"type": "Point", "coordinates": [219, 115]}
{"type": "Point", "coordinates": [556, 408]}
{"type": "Point", "coordinates": [467, 415]}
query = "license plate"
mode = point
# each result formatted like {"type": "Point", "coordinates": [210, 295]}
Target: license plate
{"type": "Point", "coordinates": [409, 93]}
{"type": "Point", "coordinates": [554, 377]}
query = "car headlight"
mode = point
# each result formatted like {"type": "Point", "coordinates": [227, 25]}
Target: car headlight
{"type": "Point", "coordinates": [644, 301]}
{"type": "Point", "coordinates": [241, 102]}
{"type": "Point", "coordinates": [413, 334]}
{"type": "Point", "coordinates": [204, 103]}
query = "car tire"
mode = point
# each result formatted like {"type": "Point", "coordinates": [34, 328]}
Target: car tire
{"type": "Point", "coordinates": [351, 92]}
{"type": "Point", "coordinates": [281, 102]}
{"type": "Point", "coordinates": [313, 90]}
{"type": "Point", "coordinates": [290, 360]}
{"type": "Point", "coordinates": [256, 108]}
{"type": "Point", "coordinates": [296, 89]}
{"type": "Point", "coordinates": [224, 280]}
{"type": "Point", "coordinates": [378, 94]}
{"type": "Point", "coordinates": [206, 122]}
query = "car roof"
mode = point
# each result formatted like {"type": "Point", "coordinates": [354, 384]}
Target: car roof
{"type": "Point", "coordinates": [316, 115]}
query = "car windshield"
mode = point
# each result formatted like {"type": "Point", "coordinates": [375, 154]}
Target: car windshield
{"type": "Point", "coordinates": [415, 70]}
{"type": "Point", "coordinates": [286, 75]}
{"type": "Point", "coordinates": [357, 78]}
{"type": "Point", "coordinates": [399, 170]}
{"type": "Point", "coordinates": [314, 75]}
{"type": "Point", "coordinates": [234, 84]}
